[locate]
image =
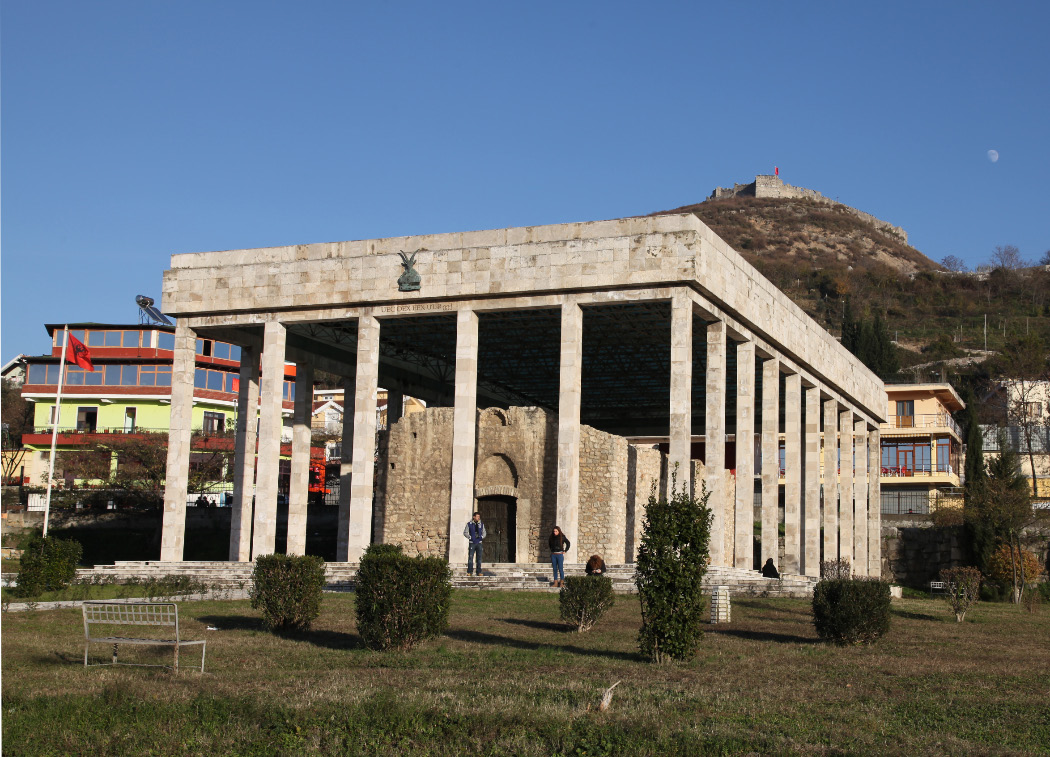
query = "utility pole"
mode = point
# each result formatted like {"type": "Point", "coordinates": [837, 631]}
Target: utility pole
{"type": "Point", "coordinates": [985, 332]}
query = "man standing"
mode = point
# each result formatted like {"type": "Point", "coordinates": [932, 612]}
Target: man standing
{"type": "Point", "coordinates": [475, 533]}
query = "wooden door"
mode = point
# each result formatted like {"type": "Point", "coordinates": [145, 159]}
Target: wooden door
{"type": "Point", "coordinates": [498, 515]}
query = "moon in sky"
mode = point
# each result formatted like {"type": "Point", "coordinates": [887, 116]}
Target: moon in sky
{"type": "Point", "coordinates": [993, 155]}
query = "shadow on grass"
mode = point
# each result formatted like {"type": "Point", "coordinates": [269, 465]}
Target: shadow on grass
{"type": "Point", "coordinates": [541, 625]}
{"type": "Point", "coordinates": [782, 638]}
{"type": "Point", "coordinates": [914, 615]}
{"type": "Point", "coordinates": [480, 637]}
{"type": "Point", "coordinates": [326, 639]}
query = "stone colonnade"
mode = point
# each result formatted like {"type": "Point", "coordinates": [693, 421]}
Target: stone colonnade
{"type": "Point", "coordinates": [831, 503]}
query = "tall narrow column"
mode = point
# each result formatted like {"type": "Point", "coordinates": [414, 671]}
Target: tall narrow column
{"type": "Point", "coordinates": [180, 432]}
{"type": "Point", "coordinates": [811, 500]}
{"type": "Point", "coordinates": [570, 394]}
{"type": "Point", "coordinates": [346, 467]}
{"type": "Point", "coordinates": [771, 460]}
{"type": "Point", "coordinates": [366, 385]}
{"type": "Point", "coordinates": [831, 480]}
{"type": "Point", "coordinates": [860, 499]}
{"type": "Point", "coordinates": [395, 406]}
{"type": "Point", "coordinates": [874, 504]}
{"type": "Point", "coordinates": [244, 457]}
{"type": "Point", "coordinates": [464, 434]}
{"type": "Point", "coordinates": [715, 440]}
{"type": "Point", "coordinates": [299, 481]}
{"type": "Point", "coordinates": [846, 486]}
{"type": "Point", "coordinates": [744, 542]}
{"type": "Point", "coordinates": [792, 473]}
{"type": "Point", "coordinates": [681, 426]}
{"type": "Point", "coordinates": [271, 397]}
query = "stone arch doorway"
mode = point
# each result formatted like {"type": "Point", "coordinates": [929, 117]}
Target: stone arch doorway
{"type": "Point", "coordinates": [499, 513]}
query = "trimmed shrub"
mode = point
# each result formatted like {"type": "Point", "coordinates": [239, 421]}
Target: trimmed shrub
{"type": "Point", "coordinates": [287, 588]}
{"type": "Point", "coordinates": [672, 561]}
{"type": "Point", "coordinates": [962, 589]}
{"type": "Point", "coordinates": [584, 599]}
{"type": "Point", "coordinates": [851, 610]}
{"type": "Point", "coordinates": [1000, 565]}
{"type": "Point", "coordinates": [834, 569]}
{"type": "Point", "coordinates": [47, 564]}
{"type": "Point", "coordinates": [401, 601]}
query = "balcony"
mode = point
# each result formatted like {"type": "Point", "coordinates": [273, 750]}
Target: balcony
{"type": "Point", "coordinates": [931, 472]}
{"type": "Point", "coordinates": [922, 421]}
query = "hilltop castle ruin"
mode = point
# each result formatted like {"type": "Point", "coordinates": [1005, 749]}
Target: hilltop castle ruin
{"type": "Point", "coordinates": [774, 187]}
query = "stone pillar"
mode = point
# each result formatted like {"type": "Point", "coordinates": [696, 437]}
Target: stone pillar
{"type": "Point", "coordinates": [846, 486]}
{"type": "Point", "coordinates": [271, 394]}
{"type": "Point", "coordinates": [346, 467]}
{"type": "Point", "coordinates": [831, 480]}
{"type": "Point", "coordinates": [299, 481]}
{"type": "Point", "coordinates": [792, 473]}
{"type": "Point", "coordinates": [811, 501]}
{"type": "Point", "coordinates": [464, 434]}
{"type": "Point", "coordinates": [395, 406]}
{"type": "Point", "coordinates": [770, 460]}
{"type": "Point", "coordinates": [681, 426]}
{"type": "Point", "coordinates": [874, 504]}
{"type": "Point", "coordinates": [715, 439]}
{"type": "Point", "coordinates": [180, 432]}
{"type": "Point", "coordinates": [860, 499]}
{"type": "Point", "coordinates": [745, 456]}
{"type": "Point", "coordinates": [569, 398]}
{"type": "Point", "coordinates": [244, 457]}
{"type": "Point", "coordinates": [366, 385]}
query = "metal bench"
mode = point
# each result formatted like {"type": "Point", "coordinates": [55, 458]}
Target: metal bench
{"type": "Point", "coordinates": [140, 614]}
{"type": "Point", "coordinates": [938, 587]}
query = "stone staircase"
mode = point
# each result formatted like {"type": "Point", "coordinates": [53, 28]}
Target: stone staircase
{"type": "Point", "coordinates": [505, 576]}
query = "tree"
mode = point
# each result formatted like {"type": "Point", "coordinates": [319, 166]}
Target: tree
{"type": "Point", "coordinates": [974, 469]}
{"type": "Point", "coordinates": [672, 561]}
{"type": "Point", "coordinates": [1045, 260]}
{"type": "Point", "coordinates": [953, 264]}
{"type": "Point", "coordinates": [1008, 258]}
{"type": "Point", "coordinates": [17, 420]}
{"type": "Point", "coordinates": [1023, 362]}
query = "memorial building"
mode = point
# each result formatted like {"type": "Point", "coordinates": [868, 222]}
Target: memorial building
{"type": "Point", "coordinates": [566, 370]}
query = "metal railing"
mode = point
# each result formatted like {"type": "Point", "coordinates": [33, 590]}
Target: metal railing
{"type": "Point", "coordinates": [928, 469]}
{"type": "Point", "coordinates": [924, 420]}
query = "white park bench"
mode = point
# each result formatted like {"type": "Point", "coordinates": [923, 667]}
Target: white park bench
{"type": "Point", "coordinates": [938, 587]}
{"type": "Point", "coordinates": [142, 615]}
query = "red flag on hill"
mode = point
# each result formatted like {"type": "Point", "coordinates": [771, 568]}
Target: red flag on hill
{"type": "Point", "coordinates": [77, 353]}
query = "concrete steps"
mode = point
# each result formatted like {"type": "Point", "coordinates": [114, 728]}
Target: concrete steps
{"type": "Point", "coordinates": [504, 576]}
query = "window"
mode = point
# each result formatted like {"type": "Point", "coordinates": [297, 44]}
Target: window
{"type": "Point", "coordinates": [214, 423]}
{"type": "Point", "coordinates": [221, 350]}
{"type": "Point", "coordinates": [905, 413]}
{"type": "Point", "coordinates": [112, 375]}
{"type": "Point", "coordinates": [1034, 409]}
{"type": "Point", "coordinates": [129, 375]}
{"type": "Point", "coordinates": [96, 339]}
{"type": "Point", "coordinates": [200, 379]}
{"type": "Point", "coordinates": [165, 340]}
{"type": "Point", "coordinates": [37, 373]}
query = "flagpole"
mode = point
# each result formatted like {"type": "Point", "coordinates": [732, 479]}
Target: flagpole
{"type": "Point", "coordinates": [54, 426]}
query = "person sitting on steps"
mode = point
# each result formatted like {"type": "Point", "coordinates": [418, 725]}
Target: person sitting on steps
{"type": "Point", "coordinates": [595, 566]}
{"type": "Point", "coordinates": [769, 570]}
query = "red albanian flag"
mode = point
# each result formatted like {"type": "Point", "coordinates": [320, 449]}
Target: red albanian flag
{"type": "Point", "coordinates": [79, 354]}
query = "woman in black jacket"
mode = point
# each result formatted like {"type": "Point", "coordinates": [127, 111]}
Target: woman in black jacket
{"type": "Point", "coordinates": [558, 544]}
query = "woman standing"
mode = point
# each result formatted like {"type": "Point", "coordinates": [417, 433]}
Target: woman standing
{"type": "Point", "coordinates": [558, 544]}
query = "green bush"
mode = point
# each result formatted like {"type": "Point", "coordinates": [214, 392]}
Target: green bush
{"type": "Point", "coordinates": [47, 564]}
{"type": "Point", "coordinates": [584, 599]}
{"type": "Point", "coordinates": [287, 588]}
{"type": "Point", "coordinates": [851, 610]}
{"type": "Point", "coordinates": [672, 561]}
{"type": "Point", "coordinates": [401, 601]}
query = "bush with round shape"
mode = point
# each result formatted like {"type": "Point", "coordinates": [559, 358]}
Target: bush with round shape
{"type": "Point", "coordinates": [288, 590]}
{"type": "Point", "coordinates": [401, 601]}
{"type": "Point", "coordinates": [851, 610]}
{"type": "Point", "coordinates": [1000, 566]}
{"type": "Point", "coordinates": [47, 564]}
{"type": "Point", "coordinates": [962, 589]}
{"type": "Point", "coordinates": [584, 599]}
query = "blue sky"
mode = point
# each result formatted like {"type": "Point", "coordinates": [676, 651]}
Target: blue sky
{"type": "Point", "coordinates": [133, 130]}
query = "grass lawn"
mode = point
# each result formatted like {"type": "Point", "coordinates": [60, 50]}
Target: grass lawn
{"type": "Point", "coordinates": [508, 678]}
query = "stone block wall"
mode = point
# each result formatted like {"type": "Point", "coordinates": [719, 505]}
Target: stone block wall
{"type": "Point", "coordinates": [603, 495]}
{"type": "Point", "coordinates": [646, 474]}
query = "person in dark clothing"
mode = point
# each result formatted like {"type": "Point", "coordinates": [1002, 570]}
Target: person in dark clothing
{"type": "Point", "coordinates": [475, 533]}
{"type": "Point", "coordinates": [595, 566]}
{"type": "Point", "coordinates": [558, 544]}
{"type": "Point", "coordinates": [769, 570]}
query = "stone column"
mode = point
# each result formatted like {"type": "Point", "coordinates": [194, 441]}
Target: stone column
{"type": "Point", "coordinates": [715, 439]}
{"type": "Point", "coordinates": [770, 460]}
{"type": "Point", "coordinates": [792, 473]}
{"type": "Point", "coordinates": [244, 457]}
{"type": "Point", "coordinates": [299, 481]}
{"type": "Point", "coordinates": [860, 498]}
{"type": "Point", "coordinates": [874, 504]}
{"type": "Point", "coordinates": [464, 434]}
{"type": "Point", "coordinates": [180, 432]}
{"type": "Point", "coordinates": [569, 397]}
{"type": "Point", "coordinates": [271, 394]}
{"type": "Point", "coordinates": [395, 406]}
{"type": "Point", "coordinates": [846, 486]}
{"type": "Point", "coordinates": [745, 456]}
{"type": "Point", "coordinates": [681, 426]}
{"type": "Point", "coordinates": [346, 467]}
{"type": "Point", "coordinates": [831, 480]}
{"type": "Point", "coordinates": [366, 384]}
{"type": "Point", "coordinates": [811, 501]}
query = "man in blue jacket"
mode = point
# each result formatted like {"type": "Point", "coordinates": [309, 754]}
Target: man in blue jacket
{"type": "Point", "coordinates": [475, 533]}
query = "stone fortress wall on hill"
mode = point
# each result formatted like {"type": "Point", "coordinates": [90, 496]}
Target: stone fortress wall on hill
{"type": "Point", "coordinates": [774, 187]}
